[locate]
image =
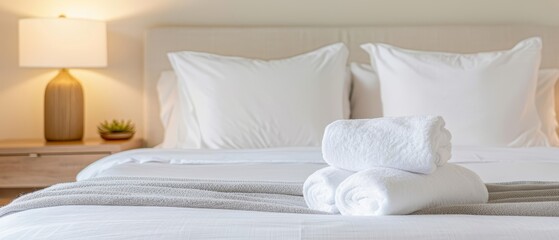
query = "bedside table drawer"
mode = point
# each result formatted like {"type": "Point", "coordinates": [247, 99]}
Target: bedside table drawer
{"type": "Point", "coordinates": [42, 170]}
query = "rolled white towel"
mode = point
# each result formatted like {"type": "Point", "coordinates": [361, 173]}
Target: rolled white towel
{"type": "Point", "coordinates": [385, 191]}
{"type": "Point", "coordinates": [319, 189]}
{"type": "Point", "coordinates": [416, 144]}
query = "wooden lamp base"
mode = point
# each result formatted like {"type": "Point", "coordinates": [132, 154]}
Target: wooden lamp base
{"type": "Point", "coordinates": [64, 111]}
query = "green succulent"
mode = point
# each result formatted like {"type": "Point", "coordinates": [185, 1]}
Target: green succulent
{"type": "Point", "coordinates": [116, 126]}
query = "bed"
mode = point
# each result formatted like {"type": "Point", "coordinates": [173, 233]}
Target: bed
{"type": "Point", "coordinates": [294, 164]}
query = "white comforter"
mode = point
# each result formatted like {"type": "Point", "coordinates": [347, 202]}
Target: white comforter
{"type": "Point", "coordinates": [105, 222]}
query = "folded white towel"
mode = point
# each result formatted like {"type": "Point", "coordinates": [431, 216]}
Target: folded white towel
{"type": "Point", "coordinates": [416, 144]}
{"type": "Point", "coordinates": [385, 191]}
{"type": "Point", "coordinates": [319, 189]}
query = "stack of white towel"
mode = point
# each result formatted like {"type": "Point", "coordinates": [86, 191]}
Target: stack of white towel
{"type": "Point", "coordinates": [389, 166]}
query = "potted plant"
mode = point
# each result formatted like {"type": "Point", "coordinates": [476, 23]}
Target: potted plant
{"type": "Point", "coordinates": [116, 130]}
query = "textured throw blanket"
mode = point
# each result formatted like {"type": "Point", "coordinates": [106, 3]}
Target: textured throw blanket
{"type": "Point", "coordinates": [161, 192]}
{"type": "Point", "coordinates": [510, 199]}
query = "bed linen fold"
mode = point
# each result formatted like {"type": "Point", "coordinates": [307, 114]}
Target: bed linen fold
{"type": "Point", "coordinates": [177, 157]}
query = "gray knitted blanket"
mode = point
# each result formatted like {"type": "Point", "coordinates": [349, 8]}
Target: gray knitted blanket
{"type": "Point", "coordinates": [140, 191]}
{"type": "Point", "coordinates": [510, 199]}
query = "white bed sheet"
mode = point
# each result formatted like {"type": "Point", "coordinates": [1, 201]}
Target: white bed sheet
{"type": "Point", "coordinates": [109, 222]}
{"type": "Point", "coordinates": [174, 158]}
{"type": "Point", "coordinates": [296, 164]}
{"type": "Point", "coordinates": [283, 172]}
{"type": "Point", "coordinates": [139, 223]}
{"type": "Point", "coordinates": [495, 165]}
{"type": "Point", "coordinates": [490, 172]}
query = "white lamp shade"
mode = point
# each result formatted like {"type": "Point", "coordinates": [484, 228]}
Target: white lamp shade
{"type": "Point", "coordinates": [62, 43]}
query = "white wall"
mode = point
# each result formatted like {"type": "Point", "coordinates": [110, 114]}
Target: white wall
{"type": "Point", "coordinates": [115, 91]}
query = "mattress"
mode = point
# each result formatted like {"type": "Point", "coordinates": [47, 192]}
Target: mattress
{"type": "Point", "coordinates": [294, 165]}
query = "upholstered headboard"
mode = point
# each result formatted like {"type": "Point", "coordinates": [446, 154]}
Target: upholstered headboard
{"type": "Point", "coordinates": [280, 42]}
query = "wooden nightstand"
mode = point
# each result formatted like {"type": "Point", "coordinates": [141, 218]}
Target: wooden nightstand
{"type": "Point", "coordinates": [27, 165]}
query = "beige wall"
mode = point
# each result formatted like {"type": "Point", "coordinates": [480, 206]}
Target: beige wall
{"type": "Point", "coordinates": [115, 91]}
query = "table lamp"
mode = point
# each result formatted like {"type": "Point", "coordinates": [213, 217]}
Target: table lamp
{"type": "Point", "coordinates": [63, 43]}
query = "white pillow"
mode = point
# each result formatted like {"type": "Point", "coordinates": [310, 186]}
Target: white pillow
{"type": "Point", "coordinates": [545, 103]}
{"type": "Point", "coordinates": [175, 126]}
{"type": "Point", "coordinates": [169, 110]}
{"type": "Point", "coordinates": [248, 103]}
{"type": "Point", "coordinates": [170, 116]}
{"type": "Point", "coordinates": [365, 92]}
{"type": "Point", "coordinates": [487, 99]}
{"type": "Point", "coordinates": [366, 101]}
